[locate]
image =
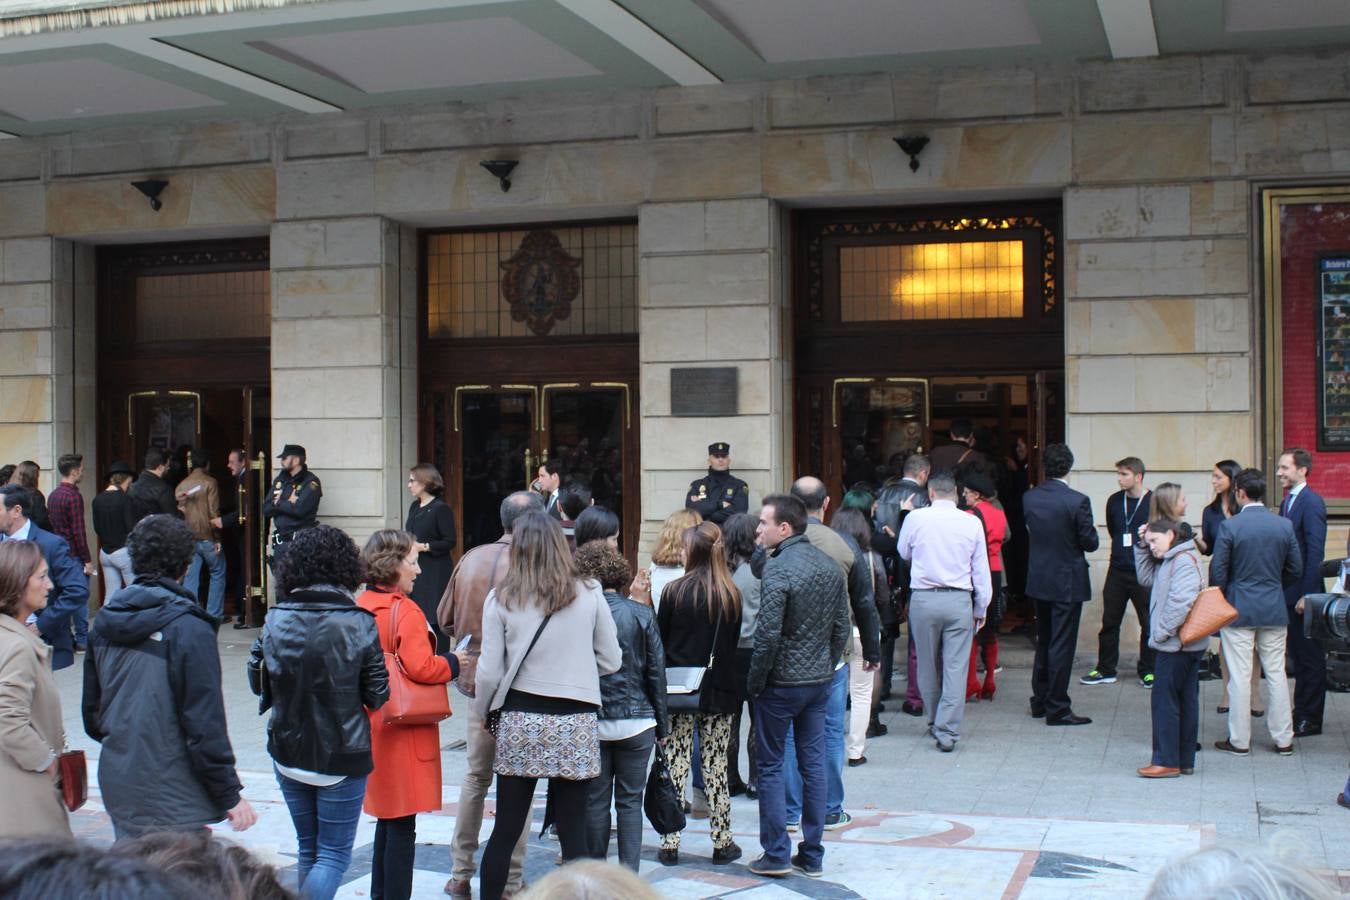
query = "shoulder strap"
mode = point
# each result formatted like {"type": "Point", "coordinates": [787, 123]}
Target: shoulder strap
{"type": "Point", "coordinates": [534, 640]}
{"type": "Point", "coordinates": [969, 450]}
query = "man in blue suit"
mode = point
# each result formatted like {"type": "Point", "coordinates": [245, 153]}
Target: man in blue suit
{"type": "Point", "coordinates": [1305, 509]}
{"type": "Point", "coordinates": [1061, 529]}
{"type": "Point", "coordinates": [70, 587]}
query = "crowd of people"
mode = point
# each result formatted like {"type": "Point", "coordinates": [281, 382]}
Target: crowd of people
{"type": "Point", "coordinates": [578, 670]}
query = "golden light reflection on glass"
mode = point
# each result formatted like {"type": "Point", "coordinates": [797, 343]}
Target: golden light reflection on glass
{"type": "Point", "coordinates": [964, 280]}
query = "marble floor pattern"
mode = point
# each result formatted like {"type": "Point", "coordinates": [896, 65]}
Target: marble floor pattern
{"type": "Point", "coordinates": [1018, 811]}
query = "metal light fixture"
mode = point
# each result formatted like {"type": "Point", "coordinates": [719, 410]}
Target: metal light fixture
{"type": "Point", "coordinates": [151, 189]}
{"type": "Point", "coordinates": [912, 146]}
{"type": "Point", "coordinates": [501, 170]}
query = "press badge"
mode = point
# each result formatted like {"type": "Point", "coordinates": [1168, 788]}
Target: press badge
{"type": "Point", "coordinates": [1127, 540]}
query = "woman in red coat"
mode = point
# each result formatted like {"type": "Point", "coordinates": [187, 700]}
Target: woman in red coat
{"type": "Point", "coordinates": [407, 776]}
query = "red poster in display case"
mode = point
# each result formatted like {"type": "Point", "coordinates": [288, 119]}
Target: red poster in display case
{"type": "Point", "coordinates": [1307, 263]}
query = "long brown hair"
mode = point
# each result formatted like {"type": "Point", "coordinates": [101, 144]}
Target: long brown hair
{"type": "Point", "coordinates": [670, 542]}
{"type": "Point", "coordinates": [26, 474]}
{"type": "Point", "coordinates": [540, 571]}
{"type": "Point", "coordinates": [1164, 502]}
{"type": "Point", "coordinates": [383, 553]}
{"type": "Point", "coordinates": [18, 561]}
{"type": "Point", "coordinates": [705, 574]}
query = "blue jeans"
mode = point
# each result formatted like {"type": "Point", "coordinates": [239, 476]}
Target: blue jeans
{"type": "Point", "coordinates": [835, 726]}
{"type": "Point", "coordinates": [325, 826]}
{"type": "Point", "coordinates": [215, 564]}
{"type": "Point", "coordinates": [801, 709]}
{"type": "Point", "coordinates": [1175, 701]}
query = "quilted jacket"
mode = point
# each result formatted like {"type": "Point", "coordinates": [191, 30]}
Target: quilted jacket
{"type": "Point", "coordinates": [803, 622]}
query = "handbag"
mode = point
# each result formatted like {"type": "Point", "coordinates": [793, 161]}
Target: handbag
{"type": "Point", "coordinates": [410, 702]}
{"type": "Point", "coordinates": [1210, 612]}
{"type": "Point", "coordinates": [684, 683]}
{"type": "Point", "coordinates": [661, 802]}
{"type": "Point", "coordinates": [74, 774]}
{"type": "Point", "coordinates": [494, 717]}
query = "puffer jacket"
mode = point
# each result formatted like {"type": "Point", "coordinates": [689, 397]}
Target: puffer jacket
{"type": "Point", "coordinates": [802, 590]}
{"type": "Point", "coordinates": [1174, 582]}
{"type": "Point", "coordinates": [638, 690]}
{"type": "Point", "coordinates": [892, 497]}
{"type": "Point", "coordinates": [318, 666]}
{"type": "Point", "coordinates": [152, 698]}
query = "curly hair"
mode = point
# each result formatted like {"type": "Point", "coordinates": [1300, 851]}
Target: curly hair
{"type": "Point", "coordinates": [19, 561]}
{"type": "Point", "coordinates": [319, 555]}
{"type": "Point", "coordinates": [161, 546]}
{"type": "Point", "coordinates": [383, 553]}
{"type": "Point", "coordinates": [669, 549]}
{"type": "Point", "coordinates": [598, 560]}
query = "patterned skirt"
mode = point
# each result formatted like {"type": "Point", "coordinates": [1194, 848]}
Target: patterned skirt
{"type": "Point", "coordinates": [547, 745]}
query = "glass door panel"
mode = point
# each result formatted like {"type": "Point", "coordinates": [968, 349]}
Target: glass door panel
{"type": "Point", "coordinates": [496, 431]}
{"type": "Point", "coordinates": [587, 429]}
{"type": "Point", "coordinates": [168, 420]}
{"type": "Point", "coordinates": [879, 422]}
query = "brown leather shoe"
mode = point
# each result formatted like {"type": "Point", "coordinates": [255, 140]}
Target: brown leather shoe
{"type": "Point", "coordinates": [1159, 772]}
{"type": "Point", "coordinates": [456, 887]}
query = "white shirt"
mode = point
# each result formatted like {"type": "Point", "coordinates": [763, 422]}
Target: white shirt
{"type": "Point", "coordinates": [1293, 494]}
{"type": "Point", "coordinates": [22, 533]}
{"type": "Point", "coordinates": [946, 549]}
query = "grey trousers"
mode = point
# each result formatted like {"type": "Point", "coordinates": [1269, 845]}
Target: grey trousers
{"type": "Point", "coordinates": [622, 778]}
{"type": "Point", "coordinates": [943, 625]}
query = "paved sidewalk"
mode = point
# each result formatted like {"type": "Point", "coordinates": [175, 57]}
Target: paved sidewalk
{"type": "Point", "coordinates": [1020, 810]}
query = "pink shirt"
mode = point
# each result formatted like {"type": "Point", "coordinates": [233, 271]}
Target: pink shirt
{"type": "Point", "coordinates": [945, 549]}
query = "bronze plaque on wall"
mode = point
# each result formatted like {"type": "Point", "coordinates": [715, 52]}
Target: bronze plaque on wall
{"type": "Point", "coordinates": [704, 392]}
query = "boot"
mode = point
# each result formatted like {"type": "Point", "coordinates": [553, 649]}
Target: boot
{"type": "Point", "coordinates": [990, 652]}
{"type": "Point", "coordinates": [972, 680]}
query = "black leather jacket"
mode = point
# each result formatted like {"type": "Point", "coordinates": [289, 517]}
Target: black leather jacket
{"type": "Point", "coordinates": [318, 666]}
{"type": "Point", "coordinates": [638, 690]}
{"type": "Point", "coordinates": [803, 622]}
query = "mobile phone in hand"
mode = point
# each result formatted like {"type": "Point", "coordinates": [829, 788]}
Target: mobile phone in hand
{"type": "Point", "coordinates": [463, 645]}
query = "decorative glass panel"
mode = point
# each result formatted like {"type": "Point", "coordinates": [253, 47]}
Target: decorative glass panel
{"type": "Point", "coordinates": [965, 280]}
{"type": "Point", "coordinates": [576, 280]}
{"type": "Point", "coordinates": [203, 306]}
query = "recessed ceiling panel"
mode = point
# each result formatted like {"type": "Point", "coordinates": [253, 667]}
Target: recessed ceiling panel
{"type": "Point", "coordinates": [85, 88]}
{"type": "Point", "coordinates": [432, 55]}
{"type": "Point", "coordinates": [1285, 15]}
{"type": "Point", "coordinates": [789, 30]}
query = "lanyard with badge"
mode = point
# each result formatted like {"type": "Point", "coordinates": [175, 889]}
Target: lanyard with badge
{"type": "Point", "coordinates": [1127, 536]}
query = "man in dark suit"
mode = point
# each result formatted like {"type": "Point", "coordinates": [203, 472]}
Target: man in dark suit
{"type": "Point", "coordinates": [1061, 529]}
{"type": "Point", "coordinates": [70, 586]}
{"type": "Point", "coordinates": [1307, 512]}
{"type": "Point", "coordinates": [1256, 557]}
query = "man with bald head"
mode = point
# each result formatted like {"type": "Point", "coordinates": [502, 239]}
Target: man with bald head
{"type": "Point", "coordinates": [863, 650]}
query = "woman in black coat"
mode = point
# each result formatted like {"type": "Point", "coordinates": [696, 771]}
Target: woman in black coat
{"type": "Point", "coordinates": [432, 524]}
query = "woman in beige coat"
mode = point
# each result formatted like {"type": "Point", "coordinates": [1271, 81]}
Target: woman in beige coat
{"type": "Point", "coordinates": [31, 733]}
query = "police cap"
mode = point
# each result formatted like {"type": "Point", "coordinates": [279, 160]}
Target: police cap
{"type": "Point", "coordinates": [291, 450]}
{"type": "Point", "coordinates": [719, 448]}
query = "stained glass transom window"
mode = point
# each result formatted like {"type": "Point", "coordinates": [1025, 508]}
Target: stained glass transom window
{"type": "Point", "coordinates": [959, 280]}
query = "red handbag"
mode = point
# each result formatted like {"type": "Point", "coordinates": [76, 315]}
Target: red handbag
{"type": "Point", "coordinates": [74, 773]}
{"type": "Point", "coordinates": [411, 702]}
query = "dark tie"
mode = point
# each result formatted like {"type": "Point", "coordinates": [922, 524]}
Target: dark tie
{"type": "Point", "coordinates": [1284, 507]}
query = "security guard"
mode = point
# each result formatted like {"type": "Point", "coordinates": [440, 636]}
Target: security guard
{"type": "Point", "coordinates": [293, 503]}
{"type": "Point", "coordinates": [718, 496]}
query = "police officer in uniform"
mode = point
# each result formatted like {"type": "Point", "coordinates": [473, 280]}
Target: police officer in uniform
{"type": "Point", "coordinates": [293, 502]}
{"type": "Point", "coordinates": [720, 494]}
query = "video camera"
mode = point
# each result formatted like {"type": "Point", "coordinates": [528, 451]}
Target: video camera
{"type": "Point", "coordinates": [1326, 619]}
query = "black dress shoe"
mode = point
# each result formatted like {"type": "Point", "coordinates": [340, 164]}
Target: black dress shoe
{"type": "Point", "coordinates": [911, 709]}
{"type": "Point", "coordinates": [241, 625]}
{"type": "Point", "coordinates": [1307, 728]}
{"type": "Point", "coordinates": [1037, 712]}
{"type": "Point", "coordinates": [1069, 719]}
{"type": "Point", "coordinates": [723, 855]}
{"type": "Point", "coordinates": [751, 792]}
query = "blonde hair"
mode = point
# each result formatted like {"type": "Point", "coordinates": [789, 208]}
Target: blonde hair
{"type": "Point", "coordinates": [670, 542]}
{"type": "Point", "coordinates": [1164, 502]}
{"type": "Point", "coordinates": [540, 571]}
{"type": "Point", "coordinates": [591, 879]}
{"type": "Point", "coordinates": [1227, 873]}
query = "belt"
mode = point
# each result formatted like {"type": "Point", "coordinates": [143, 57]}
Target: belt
{"type": "Point", "coordinates": [941, 590]}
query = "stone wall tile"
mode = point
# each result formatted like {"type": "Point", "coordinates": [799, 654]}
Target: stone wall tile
{"type": "Point", "coordinates": [1223, 324]}
{"type": "Point", "coordinates": [1124, 212]}
{"type": "Point", "coordinates": [337, 444]}
{"type": "Point", "coordinates": [1100, 384]}
{"type": "Point", "coordinates": [349, 495]}
{"type": "Point", "coordinates": [1141, 149]}
{"type": "Point", "coordinates": [26, 441]}
{"type": "Point", "coordinates": [1015, 154]}
{"type": "Point", "coordinates": [24, 209]}
{"type": "Point", "coordinates": [26, 399]}
{"type": "Point", "coordinates": [671, 227]}
{"type": "Point", "coordinates": [234, 197]}
{"type": "Point", "coordinates": [26, 305]}
{"type": "Point", "coordinates": [1169, 384]}
{"type": "Point", "coordinates": [997, 93]}
{"type": "Point", "coordinates": [26, 352]}
{"type": "Point", "coordinates": [1219, 207]}
{"type": "Point", "coordinates": [704, 109]}
{"type": "Point", "coordinates": [1165, 441]}
{"type": "Point", "coordinates": [1228, 383]}
{"type": "Point", "coordinates": [1306, 77]}
{"type": "Point", "coordinates": [26, 260]}
{"type": "Point", "coordinates": [315, 293]}
{"type": "Point", "coordinates": [597, 174]}
{"type": "Point", "coordinates": [324, 343]}
{"type": "Point", "coordinates": [739, 332]}
{"type": "Point", "coordinates": [680, 444]}
{"type": "Point", "coordinates": [20, 160]}
{"type": "Point", "coordinates": [321, 136]}
{"type": "Point", "coordinates": [802, 164]}
{"type": "Point", "coordinates": [317, 189]}
{"type": "Point", "coordinates": [672, 335]}
{"type": "Point", "coordinates": [1284, 141]}
{"type": "Point", "coordinates": [1157, 268]}
{"type": "Point", "coordinates": [914, 94]}
{"type": "Point", "coordinates": [1078, 328]}
{"type": "Point", "coordinates": [536, 119]}
{"type": "Point", "coordinates": [831, 100]}
{"type": "Point", "coordinates": [1147, 326]}
{"type": "Point", "coordinates": [715, 167]}
{"type": "Point", "coordinates": [326, 244]}
{"type": "Point", "coordinates": [1185, 82]}
{"type": "Point", "coordinates": [706, 280]}
{"type": "Point", "coordinates": [736, 224]}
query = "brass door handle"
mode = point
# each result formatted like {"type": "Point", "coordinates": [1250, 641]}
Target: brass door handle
{"type": "Point", "coordinates": [529, 468]}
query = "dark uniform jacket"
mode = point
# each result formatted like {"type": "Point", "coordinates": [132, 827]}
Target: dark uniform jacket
{"type": "Point", "coordinates": [803, 623]}
{"type": "Point", "coordinates": [707, 494]}
{"type": "Point", "coordinates": [152, 698]}
{"type": "Point", "coordinates": [293, 502]}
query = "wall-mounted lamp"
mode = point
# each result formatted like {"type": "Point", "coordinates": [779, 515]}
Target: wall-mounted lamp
{"type": "Point", "coordinates": [912, 147]}
{"type": "Point", "coordinates": [152, 190]}
{"type": "Point", "coordinates": [501, 170]}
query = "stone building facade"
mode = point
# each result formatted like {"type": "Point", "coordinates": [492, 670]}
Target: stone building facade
{"type": "Point", "coordinates": [1157, 164]}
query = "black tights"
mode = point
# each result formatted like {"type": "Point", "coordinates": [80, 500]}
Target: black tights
{"type": "Point", "coordinates": [515, 798]}
{"type": "Point", "coordinates": [391, 867]}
